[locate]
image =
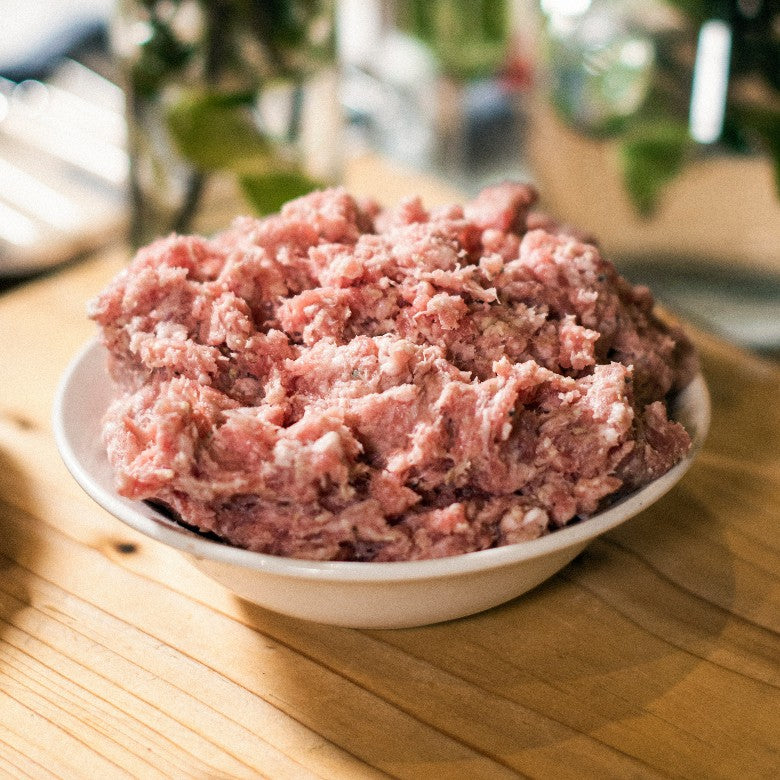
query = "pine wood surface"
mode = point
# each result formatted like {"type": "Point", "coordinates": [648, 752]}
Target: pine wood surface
{"type": "Point", "coordinates": [655, 653]}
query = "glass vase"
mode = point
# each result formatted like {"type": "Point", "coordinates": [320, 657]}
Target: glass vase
{"type": "Point", "coordinates": [232, 107]}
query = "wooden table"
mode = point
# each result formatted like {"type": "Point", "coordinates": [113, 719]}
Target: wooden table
{"type": "Point", "coordinates": [655, 653]}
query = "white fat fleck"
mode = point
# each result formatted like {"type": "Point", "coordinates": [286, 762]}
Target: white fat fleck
{"type": "Point", "coordinates": [536, 516]}
{"type": "Point", "coordinates": [620, 418]}
{"type": "Point", "coordinates": [620, 414]}
{"type": "Point", "coordinates": [329, 441]}
{"type": "Point", "coordinates": [171, 330]}
{"type": "Point", "coordinates": [284, 453]}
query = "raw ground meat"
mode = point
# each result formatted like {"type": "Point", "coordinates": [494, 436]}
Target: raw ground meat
{"type": "Point", "coordinates": [342, 382]}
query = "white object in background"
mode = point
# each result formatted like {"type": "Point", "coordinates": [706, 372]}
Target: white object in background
{"type": "Point", "coordinates": [359, 24]}
{"type": "Point", "coordinates": [63, 168]}
{"type": "Point", "coordinates": [710, 81]}
{"type": "Point", "coordinates": [37, 29]}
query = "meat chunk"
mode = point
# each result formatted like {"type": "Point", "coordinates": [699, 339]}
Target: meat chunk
{"type": "Point", "coordinates": [340, 382]}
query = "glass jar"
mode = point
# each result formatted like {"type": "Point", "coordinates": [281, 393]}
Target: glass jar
{"type": "Point", "coordinates": [440, 86]}
{"type": "Point", "coordinates": [673, 82]}
{"type": "Point", "coordinates": [232, 106]}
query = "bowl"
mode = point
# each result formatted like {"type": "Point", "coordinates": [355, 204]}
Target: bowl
{"type": "Point", "coordinates": [346, 593]}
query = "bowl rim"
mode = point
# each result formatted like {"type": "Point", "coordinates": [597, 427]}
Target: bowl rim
{"type": "Point", "coordinates": [693, 399]}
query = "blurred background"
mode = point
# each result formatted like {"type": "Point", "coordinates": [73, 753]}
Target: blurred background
{"type": "Point", "coordinates": [652, 125]}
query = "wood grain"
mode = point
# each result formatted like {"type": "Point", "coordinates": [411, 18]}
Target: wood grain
{"type": "Point", "coordinates": [655, 653]}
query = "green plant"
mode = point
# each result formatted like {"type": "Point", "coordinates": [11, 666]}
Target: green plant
{"type": "Point", "coordinates": [752, 114]}
{"type": "Point", "coordinates": [196, 76]}
{"type": "Point", "coordinates": [655, 145]}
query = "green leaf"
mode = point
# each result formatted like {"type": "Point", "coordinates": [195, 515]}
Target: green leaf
{"type": "Point", "coordinates": [215, 131]}
{"type": "Point", "coordinates": [697, 10]}
{"type": "Point", "coordinates": [652, 155]}
{"type": "Point", "coordinates": [469, 37]}
{"type": "Point", "coordinates": [268, 192]}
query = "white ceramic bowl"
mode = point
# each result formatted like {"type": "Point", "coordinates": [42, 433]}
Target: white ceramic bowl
{"type": "Point", "coordinates": [361, 595]}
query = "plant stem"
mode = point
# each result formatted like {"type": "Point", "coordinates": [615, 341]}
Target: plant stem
{"type": "Point", "coordinates": [218, 20]}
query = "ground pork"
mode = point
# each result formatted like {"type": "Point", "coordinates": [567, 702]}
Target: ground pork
{"type": "Point", "coordinates": [342, 382]}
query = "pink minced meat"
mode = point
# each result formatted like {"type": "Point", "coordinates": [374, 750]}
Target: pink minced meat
{"type": "Point", "coordinates": [341, 382]}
